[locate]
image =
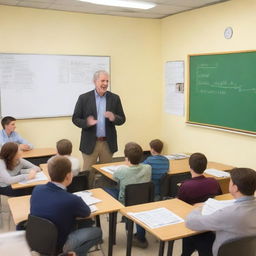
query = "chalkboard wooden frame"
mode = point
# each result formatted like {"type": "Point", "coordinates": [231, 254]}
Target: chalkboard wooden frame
{"type": "Point", "coordinates": [216, 82]}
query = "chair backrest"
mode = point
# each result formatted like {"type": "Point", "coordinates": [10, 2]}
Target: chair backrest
{"type": "Point", "coordinates": [174, 179]}
{"type": "Point", "coordinates": [79, 182]}
{"type": "Point", "coordinates": [237, 247]}
{"type": "Point", "coordinates": [42, 235]}
{"type": "Point", "coordinates": [164, 186]}
{"type": "Point", "coordinates": [139, 193]}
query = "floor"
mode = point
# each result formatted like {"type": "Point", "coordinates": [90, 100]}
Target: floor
{"type": "Point", "coordinates": [119, 249]}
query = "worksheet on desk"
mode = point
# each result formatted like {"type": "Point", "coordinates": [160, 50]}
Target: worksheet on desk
{"type": "Point", "coordinates": [87, 197]}
{"type": "Point", "coordinates": [151, 217]}
{"type": "Point", "coordinates": [217, 173]}
{"type": "Point", "coordinates": [40, 176]}
{"type": "Point", "coordinates": [111, 169]}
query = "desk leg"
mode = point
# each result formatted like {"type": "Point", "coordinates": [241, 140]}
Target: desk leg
{"type": "Point", "coordinates": [98, 221]}
{"type": "Point", "coordinates": [170, 247]}
{"type": "Point", "coordinates": [129, 224]}
{"type": "Point", "coordinates": [112, 231]}
{"type": "Point", "coordinates": [161, 248]}
{"type": "Point", "coordinates": [114, 228]}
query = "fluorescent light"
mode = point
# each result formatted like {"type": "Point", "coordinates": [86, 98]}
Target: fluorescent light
{"type": "Point", "coordinates": [123, 3]}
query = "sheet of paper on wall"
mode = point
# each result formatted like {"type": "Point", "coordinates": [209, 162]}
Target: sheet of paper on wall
{"type": "Point", "coordinates": [217, 173]}
{"type": "Point", "coordinates": [111, 169]}
{"type": "Point", "coordinates": [212, 205]}
{"type": "Point", "coordinates": [174, 87]}
{"type": "Point", "coordinates": [151, 217]}
{"type": "Point", "coordinates": [40, 176]}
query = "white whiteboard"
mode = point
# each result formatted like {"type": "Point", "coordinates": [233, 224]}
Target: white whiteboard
{"type": "Point", "coordinates": [37, 85]}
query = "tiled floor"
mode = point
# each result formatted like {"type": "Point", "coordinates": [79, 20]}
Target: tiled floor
{"type": "Point", "coordinates": [120, 247]}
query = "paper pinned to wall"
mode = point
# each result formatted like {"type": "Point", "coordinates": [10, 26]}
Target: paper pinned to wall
{"type": "Point", "coordinates": [174, 87]}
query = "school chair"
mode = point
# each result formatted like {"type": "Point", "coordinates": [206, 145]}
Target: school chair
{"type": "Point", "coordinates": [174, 180]}
{"type": "Point", "coordinates": [237, 247]}
{"type": "Point", "coordinates": [164, 186]}
{"type": "Point", "coordinates": [42, 235]}
{"type": "Point", "coordinates": [79, 182]}
{"type": "Point", "coordinates": [139, 193]}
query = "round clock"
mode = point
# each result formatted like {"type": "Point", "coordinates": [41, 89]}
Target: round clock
{"type": "Point", "coordinates": [228, 32]}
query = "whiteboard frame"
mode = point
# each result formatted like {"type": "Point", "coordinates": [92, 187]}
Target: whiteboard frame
{"type": "Point", "coordinates": [68, 55]}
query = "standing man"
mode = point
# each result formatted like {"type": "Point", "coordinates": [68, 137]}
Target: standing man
{"type": "Point", "coordinates": [98, 112]}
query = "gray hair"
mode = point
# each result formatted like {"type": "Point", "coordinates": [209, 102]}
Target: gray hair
{"type": "Point", "coordinates": [97, 74]}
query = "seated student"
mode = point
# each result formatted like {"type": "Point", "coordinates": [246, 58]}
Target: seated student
{"type": "Point", "coordinates": [158, 163]}
{"type": "Point", "coordinates": [14, 169]}
{"type": "Point", "coordinates": [196, 190]}
{"type": "Point", "coordinates": [199, 188]}
{"type": "Point", "coordinates": [134, 173]}
{"type": "Point", "coordinates": [9, 135]}
{"type": "Point", "coordinates": [51, 201]}
{"type": "Point", "coordinates": [235, 221]}
{"type": "Point", "coordinates": [64, 148]}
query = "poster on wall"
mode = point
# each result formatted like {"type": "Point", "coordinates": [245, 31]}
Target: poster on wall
{"type": "Point", "coordinates": [174, 87]}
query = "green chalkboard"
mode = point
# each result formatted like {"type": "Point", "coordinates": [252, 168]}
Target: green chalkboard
{"type": "Point", "coordinates": [222, 90]}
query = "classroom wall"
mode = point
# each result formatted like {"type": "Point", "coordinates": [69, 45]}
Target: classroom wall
{"type": "Point", "coordinates": [134, 47]}
{"type": "Point", "coordinates": [139, 49]}
{"type": "Point", "coordinates": [202, 31]}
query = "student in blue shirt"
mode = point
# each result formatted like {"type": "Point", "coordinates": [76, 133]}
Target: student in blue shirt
{"type": "Point", "coordinates": [9, 135]}
{"type": "Point", "coordinates": [160, 164]}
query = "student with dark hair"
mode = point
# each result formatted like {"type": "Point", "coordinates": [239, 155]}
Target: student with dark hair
{"type": "Point", "coordinates": [196, 190]}
{"type": "Point", "coordinates": [199, 188]}
{"type": "Point", "coordinates": [133, 173]}
{"type": "Point", "coordinates": [158, 163]}
{"type": "Point", "coordinates": [51, 201]}
{"type": "Point", "coordinates": [14, 169]}
{"type": "Point", "coordinates": [64, 148]}
{"type": "Point", "coordinates": [235, 221]}
{"type": "Point", "coordinates": [8, 134]}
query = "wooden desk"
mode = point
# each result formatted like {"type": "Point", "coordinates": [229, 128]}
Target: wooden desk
{"type": "Point", "coordinates": [176, 167]}
{"type": "Point", "coordinates": [20, 208]}
{"type": "Point", "coordinates": [182, 165]}
{"type": "Point", "coordinates": [107, 174]}
{"type": "Point", "coordinates": [167, 233]}
{"type": "Point", "coordinates": [33, 184]}
{"type": "Point", "coordinates": [227, 196]}
{"type": "Point", "coordinates": [38, 156]}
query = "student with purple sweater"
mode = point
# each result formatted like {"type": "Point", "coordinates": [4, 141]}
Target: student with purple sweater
{"type": "Point", "coordinates": [199, 188]}
{"type": "Point", "coordinates": [196, 190]}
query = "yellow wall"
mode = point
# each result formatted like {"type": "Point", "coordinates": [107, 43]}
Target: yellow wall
{"type": "Point", "coordinates": [134, 47]}
{"type": "Point", "coordinates": [139, 49]}
{"type": "Point", "coordinates": [201, 31]}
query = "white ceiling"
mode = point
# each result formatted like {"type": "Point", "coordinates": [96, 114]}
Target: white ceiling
{"type": "Point", "coordinates": [164, 7]}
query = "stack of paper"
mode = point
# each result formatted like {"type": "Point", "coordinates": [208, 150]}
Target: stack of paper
{"type": "Point", "coordinates": [88, 199]}
{"type": "Point", "coordinates": [176, 156]}
{"type": "Point", "coordinates": [111, 169]}
{"type": "Point", "coordinates": [157, 218]}
{"type": "Point", "coordinates": [217, 173]}
{"type": "Point", "coordinates": [212, 205]}
{"type": "Point", "coordinates": [39, 177]}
